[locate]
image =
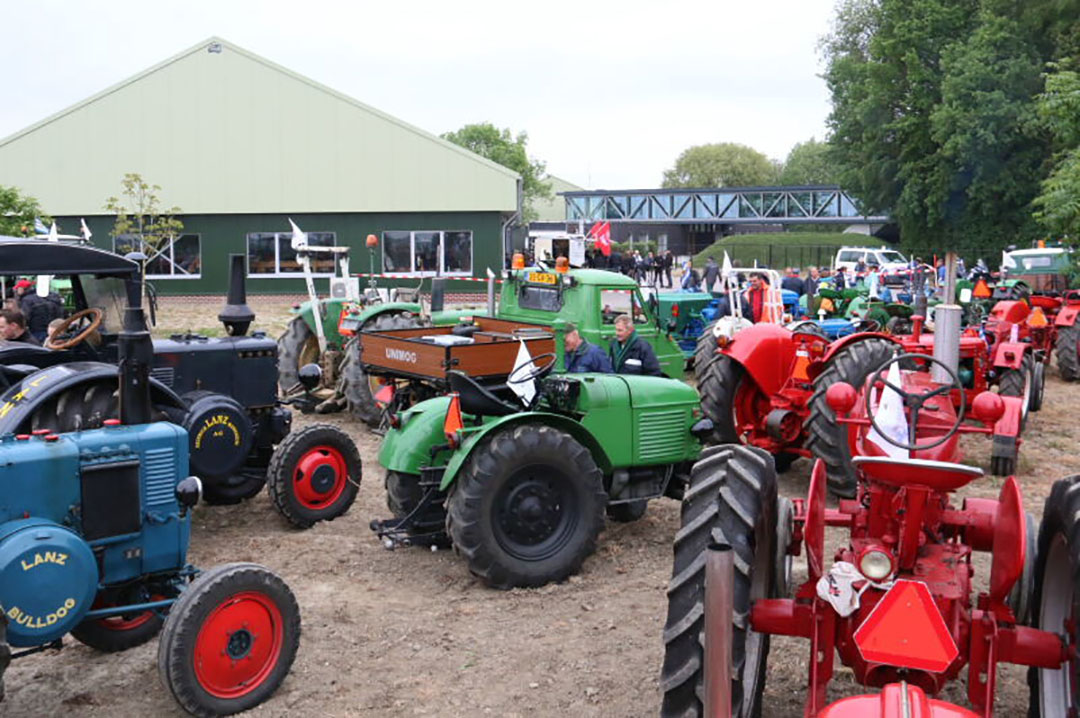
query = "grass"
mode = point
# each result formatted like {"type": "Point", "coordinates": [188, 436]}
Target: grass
{"type": "Point", "coordinates": [783, 249]}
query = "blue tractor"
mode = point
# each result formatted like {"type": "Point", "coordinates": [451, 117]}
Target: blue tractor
{"type": "Point", "coordinates": [94, 530]}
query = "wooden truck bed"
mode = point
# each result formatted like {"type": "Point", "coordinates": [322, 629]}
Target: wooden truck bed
{"type": "Point", "coordinates": [491, 354]}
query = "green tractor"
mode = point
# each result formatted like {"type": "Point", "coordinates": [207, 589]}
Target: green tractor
{"type": "Point", "coordinates": [520, 486]}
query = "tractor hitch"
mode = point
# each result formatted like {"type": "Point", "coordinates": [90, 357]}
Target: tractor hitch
{"type": "Point", "coordinates": [397, 532]}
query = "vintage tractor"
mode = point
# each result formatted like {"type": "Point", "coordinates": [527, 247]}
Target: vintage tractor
{"type": "Point", "coordinates": [1067, 336]}
{"type": "Point", "coordinates": [222, 390]}
{"type": "Point", "coordinates": [94, 529]}
{"type": "Point", "coordinates": [519, 482]}
{"type": "Point", "coordinates": [766, 387]}
{"type": "Point", "coordinates": [896, 607]}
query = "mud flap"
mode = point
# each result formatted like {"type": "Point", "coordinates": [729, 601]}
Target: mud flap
{"type": "Point", "coordinates": [1004, 447]}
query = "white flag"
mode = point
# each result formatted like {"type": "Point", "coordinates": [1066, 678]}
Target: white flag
{"type": "Point", "coordinates": [1007, 262]}
{"type": "Point", "coordinates": [891, 418]}
{"type": "Point", "coordinates": [44, 280]}
{"type": "Point", "coordinates": [525, 390]}
{"type": "Point", "coordinates": [726, 268]}
{"type": "Point", "coordinates": [299, 237]}
{"type": "Point", "coordinates": [86, 235]}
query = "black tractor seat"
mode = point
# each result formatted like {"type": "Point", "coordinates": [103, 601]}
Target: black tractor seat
{"type": "Point", "coordinates": [480, 400]}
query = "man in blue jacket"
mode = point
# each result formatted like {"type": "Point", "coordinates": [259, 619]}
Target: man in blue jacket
{"type": "Point", "coordinates": [581, 356]}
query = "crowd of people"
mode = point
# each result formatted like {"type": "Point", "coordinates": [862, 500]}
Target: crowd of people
{"type": "Point", "coordinates": [649, 268]}
{"type": "Point", "coordinates": [26, 316]}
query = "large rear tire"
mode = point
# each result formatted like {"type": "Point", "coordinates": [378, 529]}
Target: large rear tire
{"type": "Point", "coordinates": [1067, 350]}
{"type": "Point", "coordinates": [732, 499]}
{"type": "Point", "coordinates": [704, 352]}
{"type": "Point", "coordinates": [355, 383]}
{"type": "Point", "coordinates": [297, 346]}
{"type": "Point", "coordinates": [1017, 382]}
{"type": "Point", "coordinates": [527, 507]}
{"type": "Point", "coordinates": [1056, 603]}
{"type": "Point", "coordinates": [718, 388]}
{"type": "Point", "coordinates": [229, 640]}
{"type": "Point", "coordinates": [827, 439]}
{"type": "Point", "coordinates": [314, 475]}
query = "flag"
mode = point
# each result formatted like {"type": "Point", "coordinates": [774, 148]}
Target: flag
{"type": "Point", "coordinates": [86, 234]}
{"type": "Point", "coordinates": [890, 417]}
{"type": "Point", "coordinates": [39, 226]}
{"type": "Point", "coordinates": [525, 390]}
{"type": "Point", "coordinates": [1007, 262]}
{"type": "Point", "coordinates": [601, 232]}
{"type": "Point", "coordinates": [299, 237]}
{"type": "Point", "coordinates": [45, 280]}
{"type": "Point", "coordinates": [726, 268]}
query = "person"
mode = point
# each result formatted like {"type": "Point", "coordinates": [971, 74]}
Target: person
{"type": "Point", "coordinates": [860, 267]}
{"type": "Point", "coordinates": [39, 311]}
{"type": "Point", "coordinates": [581, 356]}
{"type": "Point", "coordinates": [873, 280]}
{"type": "Point", "coordinates": [629, 353]}
{"type": "Point", "coordinates": [810, 284]}
{"type": "Point", "coordinates": [690, 280]}
{"type": "Point", "coordinates": [793, 282]}
{"type": "Point", "coordinates": [648, 265]}
{"type": "Point", "coordinates": [839, 279]}
{"type": "Point", "coordinates": [755, 296]}
{"type": "Point", "coordinates": [13, 328]}
{"type": "Point", "coordinates": [712, 273]}
{"type": "Point", "coordinates": [669, 262]}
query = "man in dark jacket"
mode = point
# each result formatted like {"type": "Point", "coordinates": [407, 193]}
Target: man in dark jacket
{"type": "Point", "coordinates": [39, 311]}
{"type": "Point", "coordinates": [669, 262]}
{"type": "Point", "coordinates": [581, 356]}
{"type": "Point", "coordinates": [793, 282]}
{"type": "Point", "coordinates": [629, 353]}
{"type": "Point", "coordinates": [712, 273]}
{"type": "Point", "coordinates": [13, 327]}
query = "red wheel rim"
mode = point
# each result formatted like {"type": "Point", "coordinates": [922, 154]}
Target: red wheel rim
{"type": "Point", "coordinates": [120, 623]}
{"type": "Point", "coordinates": [320, 477]}
{"type": "Point", "coordinates": [749, 406]}
{"type": "Point", "coordinates": [238, 645]}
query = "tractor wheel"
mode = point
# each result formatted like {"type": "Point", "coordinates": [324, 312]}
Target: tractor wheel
{"type": "Point", "coordinates": [229, 640]}
{"type": "Point", "coordinates": [827, 439]}
{"type": "Point", "coordinates": [119, 633]}
{"type": "Point", "coordinates": [5, 655]}
{"type": "Point", "coordinates": [785, 529]}
{"type": "Point", "coordinates": [1055, 693]}
{"type": "Point", "coordinates": [784, 460]}
{"type": "Point", "coordinates": [297, 346]}
{"type": "Point", "coordinates": [356, 385]}
{"type": "Point", "coordinates": [233, 489]}
{"type": "Point", "coordinates": [1003, 465]}
{"type": "Point", "coordinates": [1068, 352]}
{"type": "Point", "coordinates": [729, 397]}
{"type": "Point", "coordinates": [628, 512]}
{"type": "Point", "coordinates": [403, 494]}
{"type": "Point", "coordinates": [1019, 598]}
{"type": "Point", "coordinates": [314, 475]}
{"type": "Point", "coordinates": [527, 507]}
{"type": "Point", "coordinates": [705, 352]}
{"type": "Point", "coordinates": [731, 500]}
{"type": "Point", "coordinates": [1017, 382]}
{"type": "Point", "coordinates": [1038, 386]}
{"type": "Point", "coordinates": [79, 408]}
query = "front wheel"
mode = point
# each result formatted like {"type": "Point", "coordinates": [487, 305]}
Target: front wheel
{"type": "Point", "coordinates": [1038, 386]}
{"type": "Point", "coordinates": [229, 640]}
{"type": "Point", "coordinates": [1018, 382]}
{"type": "Point", "coordinates": [527, 507]}
{"type": "Point", "coordinates": [732, 499]}
{"type": "Point", "coordinates": [628, 512]}
{"type": "Point", "coordinates": [1055, 693]}
{"type": "Point", "coordinates": [314, 475]}
{"type": "Point", "coordinates": [119, 633]}
{"type": "Point", "coordinates": [1067, 350]}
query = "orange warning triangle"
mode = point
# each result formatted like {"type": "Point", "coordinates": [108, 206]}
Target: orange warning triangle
{"type": "Point", "coordinates": [453, 423]}
{"type": "Point", "coordinates": [906, 630]}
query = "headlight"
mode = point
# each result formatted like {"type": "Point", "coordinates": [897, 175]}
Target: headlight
{"type": "Point", "coordinates": [876, 564]}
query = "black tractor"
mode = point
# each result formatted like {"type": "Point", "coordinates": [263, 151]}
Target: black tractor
{"type": "Point", "coordinates": [222, 390]}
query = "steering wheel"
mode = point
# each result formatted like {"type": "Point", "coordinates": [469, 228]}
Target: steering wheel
{"type": "Point", "coordinates": [868, 325]}
{"type": "Point", "coordinates": [807, 326]}
{"type": "Point", "coordinates": [915, 402]}
{"type": "Point", "coordinates": [538, 372]}
{"type": "Point", "coordinates": [54, 342]}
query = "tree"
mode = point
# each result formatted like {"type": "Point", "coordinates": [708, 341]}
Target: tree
{"type": "Point", "coordinates": [725, 164]}
{"type": "Point", "coordinates": [17, 212]}
{"type": "Point", "coordinates": [809, 162]}
{"type": "Point", "coordinates": [501, 147]}
{"type": "Point", "coordinates": [140, 218]}
{"type": "Point", "coordinates": [1057, 208]}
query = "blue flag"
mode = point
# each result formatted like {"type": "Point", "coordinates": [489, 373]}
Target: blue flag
{"type": "Point", "coordinates": [39, 226]}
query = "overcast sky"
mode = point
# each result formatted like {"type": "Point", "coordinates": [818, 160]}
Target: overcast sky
{"type": "Point", "coordinates": [609, 92]}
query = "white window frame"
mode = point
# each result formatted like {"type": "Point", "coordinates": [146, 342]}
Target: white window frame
{"type": "Point", "coordinates": [441, 271]}
{"type": "Point", "coordinates": [178, 273]}
{"type": "Point", "coordinates": [277, 273]}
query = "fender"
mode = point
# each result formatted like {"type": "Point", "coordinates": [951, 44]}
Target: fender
{"type": "Point", "coordinates": [375, 310]}
{"type": "Point", "coordinates": [845, 342]}
{"type": "Point", "coordinates": [1010, 539]}
{"type": "Point", "coordinates": [1067, 316]}
{"type": "Point", "coordinates": [766, 352]}
{"type": "Point", "coordinates": [1010, 311]}
{"type": "Point", "coordinates": [557, 421]}
{"type": "Point", "coordinates": [1010, 355]}
{"type": "Point", "coordinates": [329, 313]}
{"type": "Point", "coordinates": [20, 401]}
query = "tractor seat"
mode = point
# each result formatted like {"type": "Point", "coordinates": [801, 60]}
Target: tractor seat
{"type": "Point", "coordinates": [938, 475]}
{"type": "Point", "coordinates": [480, 400]}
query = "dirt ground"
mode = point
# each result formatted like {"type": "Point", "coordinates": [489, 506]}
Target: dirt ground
{"type": "Point", "coordinates": [410, 632]}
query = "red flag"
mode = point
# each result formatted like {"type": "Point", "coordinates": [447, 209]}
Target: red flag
{"type": "Point", "coordinates": [601, 232]}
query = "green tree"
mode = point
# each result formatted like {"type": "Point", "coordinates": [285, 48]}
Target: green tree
{"type": "Point", "coordinates": [501, 147]}
{"type": "Point", "coordinates": [140, 217]}
{"type": "Point", "coordinates": [1057, 208]}
{"type": "Point", "coordinates": [725, 164]}
{"type": "Point", "coordinates": [17, 212]}
{"type": "Point", "coordinates": [809, 162]}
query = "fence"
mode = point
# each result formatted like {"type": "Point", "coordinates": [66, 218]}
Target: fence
{"type": "Point", "coordinates": [779, 256]}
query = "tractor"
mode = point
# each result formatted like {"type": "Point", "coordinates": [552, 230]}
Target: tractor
{"type": "Point", "coordinates": [1067, 336]}
{"type": "Point", "coordinates": [897, 605]}
{"type": "Point", "coordinates": [222, 391]}
{"type": "Point", "coordinates": [519, 480]}
{"type": "Point", "coordinates": [94, 531]}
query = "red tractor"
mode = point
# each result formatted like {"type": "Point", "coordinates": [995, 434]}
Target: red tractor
{"type": "Point", "coordinates": [1067, 335]}
{"type": "Point", "coordinates": [766, 388]}
{"type": "Point", "coordinates": [896, 606]}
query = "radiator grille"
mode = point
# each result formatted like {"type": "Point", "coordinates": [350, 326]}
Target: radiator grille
{"type": "Point", "coordinates": [165, 374]}
{"type": "Point", "coordinates": [661, 435]}
{"type": "Point", "coordinates": [160, 467]}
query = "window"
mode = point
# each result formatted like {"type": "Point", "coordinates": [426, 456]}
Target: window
{"type": "Point", "coordinates": [428, 253]}
{"type": "Point", "coordinates": [892, 257]}
{"type": "Point", "coordinates": [546, 299]}
{"type": "Point", "coordinates": [177, 258]}
{"type": "Point", "coordinates": [271, 254]}
{"type": "Point", "coordinates": [614, 302]}
{"type": "Point", "coordinates": [850, 255]}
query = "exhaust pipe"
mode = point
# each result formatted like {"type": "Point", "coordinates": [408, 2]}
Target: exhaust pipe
{"type": "Point", "coordinates": [719, 615]}
{"type": "Point", "coordinates": [438, 294]}
{"type": "Point", "coordinates": [136, 352]}
{"type": "Point", "coordinates": [236, 315]}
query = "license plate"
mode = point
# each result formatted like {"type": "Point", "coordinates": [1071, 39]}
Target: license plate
{"type": "Point", "coordinates": [542, 278]}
